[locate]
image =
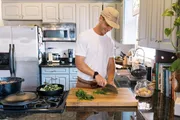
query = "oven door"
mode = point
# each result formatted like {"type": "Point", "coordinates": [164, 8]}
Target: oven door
{"type": "Point", "coordinates": [55, 34]}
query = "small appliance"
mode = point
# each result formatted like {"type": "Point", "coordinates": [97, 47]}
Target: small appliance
{"type": "Point", "coordinates": [53, 57]}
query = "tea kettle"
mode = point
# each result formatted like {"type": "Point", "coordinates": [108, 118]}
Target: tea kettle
{"type": "Point", "coordinates": [138, 69]}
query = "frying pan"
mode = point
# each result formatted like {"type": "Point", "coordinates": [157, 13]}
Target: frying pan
{"type": "Point", "coordinates": [50, 93]}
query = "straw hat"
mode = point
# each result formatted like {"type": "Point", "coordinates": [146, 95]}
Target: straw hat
{"type": "Point", "coordinates": [111, 16]}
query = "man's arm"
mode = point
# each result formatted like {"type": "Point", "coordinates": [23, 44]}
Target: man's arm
{"type": "Point", "coordinates": [111, 71]}
{"type": "Point", "coordinates": [83, 67]}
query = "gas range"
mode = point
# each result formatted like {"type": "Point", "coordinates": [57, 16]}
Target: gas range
{"type": "Point", "coordinates": [42, 104]}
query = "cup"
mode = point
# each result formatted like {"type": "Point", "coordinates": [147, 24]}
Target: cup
{"type": "Point", "coordinates": [70, 60]}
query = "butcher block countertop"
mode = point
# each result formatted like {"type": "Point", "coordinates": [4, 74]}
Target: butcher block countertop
{"type": "Point", "coordinates": [124, 98]}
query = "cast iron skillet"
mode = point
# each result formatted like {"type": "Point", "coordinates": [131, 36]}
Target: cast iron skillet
{"type": "Point", "coordinates": [50, 93]}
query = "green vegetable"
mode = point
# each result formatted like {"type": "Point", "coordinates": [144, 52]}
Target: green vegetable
{"type": "Point", "coordinates": [99, 91]}
{"type": "Point", "coordinates": [82, 95]}
{"type": "Point", "coordinates": [50, 87]}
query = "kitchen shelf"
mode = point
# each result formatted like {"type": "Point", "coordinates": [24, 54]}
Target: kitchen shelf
{"type": "Point", "coordinates": [59, 40]}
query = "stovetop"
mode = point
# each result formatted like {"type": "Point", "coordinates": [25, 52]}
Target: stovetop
{"type": "Point", "coordinates": [42, 104]}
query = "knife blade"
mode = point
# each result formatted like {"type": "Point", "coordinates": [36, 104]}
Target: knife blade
{"type": "Point", "coordinates": [110, 88]}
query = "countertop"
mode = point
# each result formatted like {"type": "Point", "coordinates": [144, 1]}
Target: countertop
{"type": "Point", "coordinates": [57, 65]}
{"type": "Point", "coordinates": [157, 107]}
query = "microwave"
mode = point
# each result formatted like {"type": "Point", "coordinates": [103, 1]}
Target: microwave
{"type": "Point", "coordinates": [59, 32]}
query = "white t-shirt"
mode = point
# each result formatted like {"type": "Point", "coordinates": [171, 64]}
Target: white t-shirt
{"type": "Point", "coordinates": [97, 50]}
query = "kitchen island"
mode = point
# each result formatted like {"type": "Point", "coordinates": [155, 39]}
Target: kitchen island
{"type": "Point", "coordinates": [157, 107]}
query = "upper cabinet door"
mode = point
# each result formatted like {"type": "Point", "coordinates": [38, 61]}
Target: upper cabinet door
{"type": "Point", "coordinates": [154, 23]}
{"type": "Point", "coordinates": [31, 11]}
{"type": "Point", "coordinates": [109, 5]}
{"type": "Point", "coordinates": [143, 24]}
{"type": "Point", "coordinates": [50, 12]}
{"type": "Point", "coordinates": [82, 17]}
{"type": "Point", "coordinates": [95, 11]}
{"type": "Point", "coordinates": [11, 11]}
{"type": "Point", "coordinates": [67, 12]}
{"type": "Point", "coordinates": [166, 22]}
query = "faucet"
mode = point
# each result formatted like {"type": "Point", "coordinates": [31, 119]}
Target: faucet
{"type": "Point", "coordinates": [143, 54]}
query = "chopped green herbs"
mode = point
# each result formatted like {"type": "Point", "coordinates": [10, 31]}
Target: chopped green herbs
{"type": "Point", "coordinates": [82, 95]}
{"type": "Point", "coordinates": [100, 91]}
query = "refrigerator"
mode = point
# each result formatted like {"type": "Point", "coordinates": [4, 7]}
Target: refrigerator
{"type": "Point", "coordinates": [24, 43]}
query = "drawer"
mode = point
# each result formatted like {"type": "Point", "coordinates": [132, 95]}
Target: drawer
{"type": "Point", "coordinates": [73, 77]}
{"type": "Point", "coordinates": [73, 70]}
{"type": "Point", "coordinates": [55, 70]}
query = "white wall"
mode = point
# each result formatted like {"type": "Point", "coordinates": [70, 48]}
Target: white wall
{"type": "Point", "coordinates": [1, 21]}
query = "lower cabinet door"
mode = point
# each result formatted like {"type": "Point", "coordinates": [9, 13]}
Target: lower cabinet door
{"type": "Point", "coordinates": [47, 78]}
{"type": "Point", "coordinates": [63, 79]}
{"type": "Point", "coordinates": [72, 85]}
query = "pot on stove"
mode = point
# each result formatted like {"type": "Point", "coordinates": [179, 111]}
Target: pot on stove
{"type": "Point", "coordinates": [10, 85]}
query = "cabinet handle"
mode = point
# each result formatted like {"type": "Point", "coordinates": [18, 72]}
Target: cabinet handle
{"type": "Point", "coordinates": [137, 40]}
{"type": "Point", "coordinates": [159, 41]}
{"type": "Point", "coordinates": [22, 16]}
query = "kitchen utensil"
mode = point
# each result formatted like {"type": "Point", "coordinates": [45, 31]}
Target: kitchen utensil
{"type": "Point", "coordinates": [124, 98]}
{"type": "Point", "coordinates": [20, 98]}
{"type": "Point", "coordinates": [50, 93]}
{"type": "Point", "coordinates": [110, 88]}
{"type": "Point", "coordinates": [10, 85]}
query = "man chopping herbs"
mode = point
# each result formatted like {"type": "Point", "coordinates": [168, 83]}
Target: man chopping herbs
{"type": "Point", "coordinates": [95, 59]}
{"type": "Point", "coordinates": [95, 52]}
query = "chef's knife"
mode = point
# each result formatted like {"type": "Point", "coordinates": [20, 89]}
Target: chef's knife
{"type": "Point", "coordinates": [110, 88]}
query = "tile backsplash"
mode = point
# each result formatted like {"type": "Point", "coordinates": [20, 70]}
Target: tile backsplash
{"type": "Point", "coordinates": [62, 47]}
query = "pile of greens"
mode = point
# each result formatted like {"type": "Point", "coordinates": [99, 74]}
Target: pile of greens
{"type": "Point", "coordinates": [50, 87]}
{"type": "Point", "coordinates": [82, 95]}
{"type": "Point", "coordinates": [100, 91]}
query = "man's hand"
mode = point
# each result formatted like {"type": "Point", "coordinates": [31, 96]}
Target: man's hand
{"type": "Point", "coordinates": [100, 80]}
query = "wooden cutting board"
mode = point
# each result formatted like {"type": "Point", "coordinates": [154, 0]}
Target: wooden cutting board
{"type": "Point", "coordinates": [124, 98]}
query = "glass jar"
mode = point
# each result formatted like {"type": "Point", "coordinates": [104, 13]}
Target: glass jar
{"type": "Point", "coordinates": [144, 88]}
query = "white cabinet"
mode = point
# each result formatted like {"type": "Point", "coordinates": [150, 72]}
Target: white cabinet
{"type": "Point", "coordinates": [31, 11]}
{"type": "Point", "coordinates": [21, 11]}
{"type": "Point", "coordinates": [166, 22]}
{"type": "Point", "coordinates": [55, 12]}
{"type": "Point", "coordinates": [63, 79]}
{"type": "Point", "coordinates": [67, 12]}
{"type": "Point", "coordinates": [50, 12]}
{"type": "Point", "coordinates": [11, 10]}
{"type": "Point", "coordinates": [60, 75]}
{"type": "Point", "coordinates": [82, 17]}
{"type": "Point", "coordinates": [73, 77]}
{"type": "Point", "coordinates": [152, 24]}
{"type": "Point", "coordinates": [143, 24]}
{"type": "Point", "coordinates": [95, 11]}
